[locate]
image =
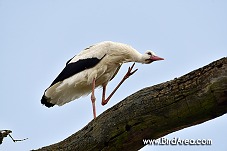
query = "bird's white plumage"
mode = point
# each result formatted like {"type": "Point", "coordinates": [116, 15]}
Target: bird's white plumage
{"type": "Point", "coordinates": [113, 55]}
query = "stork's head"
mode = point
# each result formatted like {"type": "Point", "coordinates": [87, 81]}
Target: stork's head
{"type": "Point", "coordinates": [150, 56]}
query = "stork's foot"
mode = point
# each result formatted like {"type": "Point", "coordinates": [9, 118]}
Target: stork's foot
{"type": "Point", "coordinates": [130, 72]}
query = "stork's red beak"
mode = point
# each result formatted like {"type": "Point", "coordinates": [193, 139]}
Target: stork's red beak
{"type": "Point", "coordinates": [156, 58]}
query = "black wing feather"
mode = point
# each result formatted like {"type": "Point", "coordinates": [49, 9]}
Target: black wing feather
{"type": "Point", "coordinates": [76, 67]}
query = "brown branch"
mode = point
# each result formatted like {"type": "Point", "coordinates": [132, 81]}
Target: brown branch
{"type": "Point", "coordinates": [153, 112]}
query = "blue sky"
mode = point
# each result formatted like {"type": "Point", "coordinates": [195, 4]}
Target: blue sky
{"type": "Point", "coordinates": [39, 36]}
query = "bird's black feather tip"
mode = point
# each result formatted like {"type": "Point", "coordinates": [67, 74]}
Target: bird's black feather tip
{"type": "Point", "coordinates": [45, 102]}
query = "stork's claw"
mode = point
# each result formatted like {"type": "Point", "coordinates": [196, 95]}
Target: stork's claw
{"type": "Point", "coordinates": [129, 73]}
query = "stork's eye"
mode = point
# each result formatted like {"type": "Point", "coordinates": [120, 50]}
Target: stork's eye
{"type": "Point", "coordinates": [149, 53]}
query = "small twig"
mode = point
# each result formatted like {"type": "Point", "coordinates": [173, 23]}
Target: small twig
{"type": "Point", "coordinates": [17, 140]}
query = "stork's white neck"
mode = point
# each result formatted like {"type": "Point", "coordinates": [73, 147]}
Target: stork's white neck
{"type": "Point", "coordinates": [124, 53]}
{"type": "Point", "coordinates": [137, 57]}
{"type": "Point", "coordinates": [130, 54]}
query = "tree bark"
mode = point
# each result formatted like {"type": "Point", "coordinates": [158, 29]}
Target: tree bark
{"type": "Point", "coordinates": [155, 111]}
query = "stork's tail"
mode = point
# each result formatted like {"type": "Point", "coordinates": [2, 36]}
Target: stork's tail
{"type": "Point", "coordinates": [45, 102]}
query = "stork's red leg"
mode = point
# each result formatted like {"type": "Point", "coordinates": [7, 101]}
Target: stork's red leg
{"type": "Point", "coordinates": [127, 75]}
{"type": "Point", "coordinates": [93, 98]}
{"type": "Point", "coordinates": [103, 93]}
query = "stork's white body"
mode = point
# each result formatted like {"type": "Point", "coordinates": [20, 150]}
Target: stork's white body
{"type": "Point", "coordinates": [104, 61]}
{"type": "Point", "coordinates": [80, 84]}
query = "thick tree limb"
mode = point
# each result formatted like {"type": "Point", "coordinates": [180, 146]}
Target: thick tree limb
{"type": "Point", "coordinates": [153, 112]}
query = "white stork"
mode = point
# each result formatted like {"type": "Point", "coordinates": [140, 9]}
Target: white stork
{"type": "Point", "coordinates": [93, 67]}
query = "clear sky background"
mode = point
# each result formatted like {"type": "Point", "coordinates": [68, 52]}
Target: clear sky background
{"type": "Point", "coordinates": [37, 37]}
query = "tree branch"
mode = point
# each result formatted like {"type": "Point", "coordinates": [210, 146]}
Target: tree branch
{"type": "Point", "coordinates": [153, 112]}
